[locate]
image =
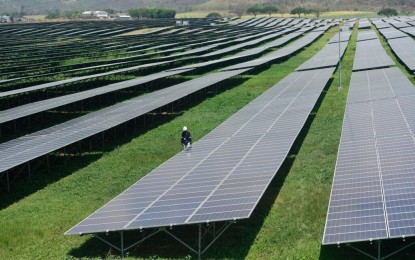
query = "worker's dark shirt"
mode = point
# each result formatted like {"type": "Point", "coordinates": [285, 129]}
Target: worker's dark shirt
{"type": "Point", "coordinates": [186, 138]}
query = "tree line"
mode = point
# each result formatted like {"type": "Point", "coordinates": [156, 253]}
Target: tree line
{"type": "Point", "coordinates": [152, 13]}
{"type": "Point", "coordinates": [270, 9]}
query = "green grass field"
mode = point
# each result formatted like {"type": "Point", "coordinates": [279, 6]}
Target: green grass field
{"type": "Point", "coordinates": [287, 224]}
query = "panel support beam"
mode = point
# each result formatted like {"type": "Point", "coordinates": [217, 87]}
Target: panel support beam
{"type": "Point", "coordinates": [379, 255]}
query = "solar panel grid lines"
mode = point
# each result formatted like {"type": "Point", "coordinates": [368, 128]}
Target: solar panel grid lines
{"type": "Point", "coordinates": [364, 24]}
{"type": "Point", "coordinates": [404, 48]}
{"type": "Point", "coordinates": [409, 30]}
{"type": "Point", "coordinates": [344, 37]}
{"type": "Point", "coordinates": [392, 33]}
{"type": "Point", "coordinates": [326, 57]}
{"type": "Point", "coordinates": [366, 35]}
{"type": "Point", "coordinates": [245, 44]}
{"type": "Point", "coordinates": [370, 54]}
{"type": "Point", "coordinates": [221, 198]}
{"type": "Point", "coordinates": [280, 53]}
{"type": "Point", "coordinates": [376, 152]}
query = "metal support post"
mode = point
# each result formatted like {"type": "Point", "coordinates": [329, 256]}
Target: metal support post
{"type": "Point", "coordinates": [8, 181]}
{"type": "Point", "coordinates": [29, 170]}
{"type": "Point", "coordinates": [361, 251]}
{"type": "Point", "coordinates": [340, 63]}
{"type": "Point", "coordinates": [106, 242]}
{"type": "Point", "coordinates": [199, 251]}
{"type": "Point", "coordinates": [47, 163]}
{"type": "Point", "coordinates": [178, 239]}
{"type": "Point", "coordinates": [122, 244]}
{"type": "Point", "coordinates": [379, 256]}
{"type": "Point", "coordinates": [220, 232]}
{"type": "Point", "coordinates": [403, 248]}
{"type": "Point", "coordinates": [214, 229]}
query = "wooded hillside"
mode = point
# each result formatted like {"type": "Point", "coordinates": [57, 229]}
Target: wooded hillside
{"type": "Point", "coordinates": [232, 6]}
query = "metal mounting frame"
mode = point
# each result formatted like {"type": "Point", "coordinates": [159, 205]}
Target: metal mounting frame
{"type": "Point", "coordinates": [379, 255]}
{"type": "Point", "coordinates": [210, 229]}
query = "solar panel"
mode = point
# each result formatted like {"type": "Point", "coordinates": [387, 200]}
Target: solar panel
{"type": "Point", "coordinates": [280, 53]}
{"type": "Point", "coordinates": [404, 48]}
{"type": "Point", "coordinates": [370, 54]}
{"type": "Point", "coordinates": [409, 30]}
{"type": "Point", "coordinates": [374, 177]}
{"type": "Point", "coordinates": [344, 37]}
{"type": "Point", "coordinates": [72, 80]}
{"type": "Point", "coordinates": [40, 106]}
{"type": "Point", "coordinates": [327, 57]}
{"type": "Point", "coordinates": [392, 33]}
{"type": "Point", "coordinates": [399, 25]}
{"type": "Point", "coordinates": [366, 35]}
{"type": "Point", "coordinates": [364, 24]}
{"type": "Point", "coordinates": [59, 136]}
{"type": "Point", "coordinates": [267, 36]}
{"type": "Point", "coordinates": [223, 176]}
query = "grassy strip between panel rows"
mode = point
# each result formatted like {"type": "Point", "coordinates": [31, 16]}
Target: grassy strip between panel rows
{"type": "Point", "coordinates": [288, 222]}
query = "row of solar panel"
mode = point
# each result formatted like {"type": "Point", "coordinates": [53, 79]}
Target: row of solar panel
{"type": "Point", "coordinates": [369, 199]}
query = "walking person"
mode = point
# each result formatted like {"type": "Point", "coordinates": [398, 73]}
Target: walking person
{"type": "Point", "coordinates": [186, 138]}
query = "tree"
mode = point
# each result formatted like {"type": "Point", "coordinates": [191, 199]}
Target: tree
{"type": "Point", "coordinates": [298, 11]}
{"type": "Point", "coordinates": [269, 9]}
{"type": "Point", "coordinates": [109, 11]}
{"type": "Point", "coordinates": [152, 13]}
{"type": "Point", "coordinates": [316, 11]}
{"type": "Point", "coordinates": [71, 14]}
{"type": "Point", "coordinates": [22, 11]}
{"type": "Point", "coordinates": [255, 9]}
{"type": "Point", "coordinates": [53, 14]}
{"type": "Point", "coordinates": [214, 15]}
{"type": "Point", "coordinates": [388, 12]}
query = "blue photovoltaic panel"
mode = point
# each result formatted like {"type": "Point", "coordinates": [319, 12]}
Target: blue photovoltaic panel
{"type": "Point", "coordinates": [32, 146]}
{"type": "Point", "coordinates": [223, 175]}
{"type": "Point", "coordinates": [374, 181]}
{"type": "Point", "coordinates": [327, 57]}
{"type": "Point", "coordinates": [404, 48]}
{"type": "Point", "coordinates": [392, 33]}
{"type": "Point", "coordinates": [370, 54]}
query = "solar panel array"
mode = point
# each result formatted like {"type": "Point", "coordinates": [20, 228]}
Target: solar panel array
{"type": "Point", "coordinates": [366, 35]}
{"type": "Point", "coordinates": [370, 54]}
{"type": "Point", "coordinates": [223, 176]}
{"type": "Point", "coordinates": [380, 24]}
{"type": "Point", "coordinates": [344, 37]}
{"type": "Point", "coordinates": [53, 103]}
{"type": "Point", "coordinates": [373, 189]}
{"type": "Point", "coordinates": [409, 30]}
{"type": "Point", "coordinates": [29, 147]}
{"type": "Point", "coordinates": [364, 24]}
{"type": "Point", "coordinates": [404, 48]}
{"type": "Point", "coordinates": [392, 33]}
{"type": "Point", "coordinates": [75, 79]}
{"type": "Point", "coordinates": [327, 57]}
{"type": "Point", "coordinates": [280, 53]}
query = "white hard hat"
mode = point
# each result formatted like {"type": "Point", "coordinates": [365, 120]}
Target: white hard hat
{"type": "Point", "coordinates": [184, 128]}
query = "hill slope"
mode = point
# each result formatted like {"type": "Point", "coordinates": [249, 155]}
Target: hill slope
{"type": "Point", "coordinates": [41, 6]}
